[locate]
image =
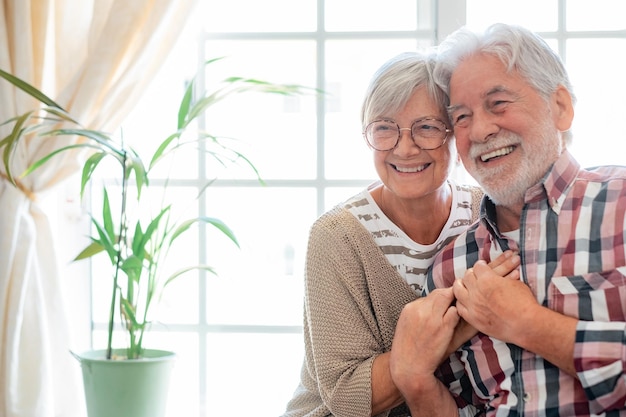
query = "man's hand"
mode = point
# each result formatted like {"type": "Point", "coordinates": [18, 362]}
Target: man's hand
{"type": "Point", "coordinates": [506, 265]}
{"type": "Point", "coordinates": [491, 301]}
{"type": "Point", "coordinates": [506, 309]}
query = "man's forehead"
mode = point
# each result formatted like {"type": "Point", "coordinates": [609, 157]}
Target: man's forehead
{"type": "Point", "coordinates": [482, 76]}
{"type": "Point", "coordinates": [485, 94]}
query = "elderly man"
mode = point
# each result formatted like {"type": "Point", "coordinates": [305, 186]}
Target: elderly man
{"type": "Point", "coordinates": [553, 342]}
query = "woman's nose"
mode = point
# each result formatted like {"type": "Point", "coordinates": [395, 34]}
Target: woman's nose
{"type": "Point", "coordinates": [405, 141]}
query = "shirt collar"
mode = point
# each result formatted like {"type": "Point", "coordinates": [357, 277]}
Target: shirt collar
{"type": "Point", "coordinates": [555, 183]}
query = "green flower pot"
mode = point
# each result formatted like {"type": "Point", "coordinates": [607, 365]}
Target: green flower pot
{"type": "Point", "coordinates": [126, 388]}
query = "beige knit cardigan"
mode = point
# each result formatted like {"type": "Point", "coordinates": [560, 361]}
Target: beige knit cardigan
{"type": "Point", "coordinates": [347, 276]}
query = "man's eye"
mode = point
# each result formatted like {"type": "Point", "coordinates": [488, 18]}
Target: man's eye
{"type": "Point", "coordinates": [499, 104]}
{"type": "Point", "coordinates": [461, 120]}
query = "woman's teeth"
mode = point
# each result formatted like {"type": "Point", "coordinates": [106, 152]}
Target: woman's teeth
{"type": "Point", "coordinates": [411, 169]}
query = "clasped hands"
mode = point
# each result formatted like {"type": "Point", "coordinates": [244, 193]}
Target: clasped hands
{"type": "Point", "coordinates": [431, 328]}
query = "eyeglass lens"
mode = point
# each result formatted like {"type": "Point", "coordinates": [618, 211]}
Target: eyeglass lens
{"type": "Point", "coordinates": [426, 133]}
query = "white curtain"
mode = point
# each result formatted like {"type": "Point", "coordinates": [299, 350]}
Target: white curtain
{"type": "Point", "coordinates": [95, 58]}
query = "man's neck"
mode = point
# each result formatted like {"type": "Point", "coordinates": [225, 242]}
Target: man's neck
{"type": "Point", "coordinates": [508, 218]}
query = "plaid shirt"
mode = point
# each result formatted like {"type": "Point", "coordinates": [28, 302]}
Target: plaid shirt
{"type": "Point", "coordinates": [573, 257]}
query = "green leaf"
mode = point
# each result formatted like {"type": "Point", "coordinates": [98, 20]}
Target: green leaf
{"type": "Point", "coordinates": [28, 89]}
{"type": "Point", "coordinates": [182, 271]}
{"type": "Point", "coordinates": [219, 224]}
{"type": "Point", "coordinates": [101, 138]}
{"type": "Point", "coordinates": [135, 164]}
{"type": "Point", "coordinates": [185, 104]}
{"type": "Point", "coordinates": [107, 217]}
{"type": "Point", "coordinates": [107, 242]}
{"type": "Point", "coordinates": [10, 142]}
{"type": "Point", "coordinates": [202, 104]}
{"type": "Point", "coordinates": [60, 114]}
{"type": "Point", "coordinates": [88, 169]}
{"type": "Point", "coordinates": [154, 224]}
{"type": "Point", "coordinates": [35, 165]}
{"type": "Point", "coordinates": [93, 249]}
{"type": "Point", "coordinates": [132, 267]}
{"type": "Point", "coordinates": [158, 154]}
{"type": "Point", "coordinates": [138, 244]}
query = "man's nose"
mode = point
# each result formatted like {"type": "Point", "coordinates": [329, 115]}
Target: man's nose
{"type": "Point", "coordinates": [483, 126]}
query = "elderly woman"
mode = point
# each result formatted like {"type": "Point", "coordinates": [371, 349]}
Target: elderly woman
{"type": "Point", "coordinates": [368, 256]}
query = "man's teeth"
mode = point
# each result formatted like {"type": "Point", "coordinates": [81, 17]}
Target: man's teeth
{"type": "Point", "coordinates": [496, 153]}
{"type": "Point", "coordinates": [413, 169]}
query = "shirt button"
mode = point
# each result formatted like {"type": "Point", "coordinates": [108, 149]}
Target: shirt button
{"type": "Point", "coordinates": [526, 397]}
{"type": "Point", "coordinates": [555, 203]}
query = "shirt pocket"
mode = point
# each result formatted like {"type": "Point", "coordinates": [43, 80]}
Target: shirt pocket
{"type": "Point", "coordinates": [599, 296]}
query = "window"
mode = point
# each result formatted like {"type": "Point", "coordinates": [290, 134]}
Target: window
{"type": "Point", "coordinates": [238, 335]}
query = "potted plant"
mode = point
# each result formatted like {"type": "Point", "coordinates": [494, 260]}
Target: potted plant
{"type": "Point", "coordinates": [135, 248]}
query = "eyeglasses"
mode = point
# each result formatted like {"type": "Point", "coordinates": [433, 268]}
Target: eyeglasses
{"type": "Point", "coordinates": [427, 134]}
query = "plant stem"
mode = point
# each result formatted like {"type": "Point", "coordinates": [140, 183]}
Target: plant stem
{"type": "Point", "coordinates": [118, 263]}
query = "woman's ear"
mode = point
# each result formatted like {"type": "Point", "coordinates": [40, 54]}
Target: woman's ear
{"type": "Point", "coordinates": [563, 108]}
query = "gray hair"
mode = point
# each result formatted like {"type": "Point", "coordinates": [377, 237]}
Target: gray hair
{"type": "Point", "coordinates": [517, 48]}
{"type": "Point", "coordinates": [393, 84]}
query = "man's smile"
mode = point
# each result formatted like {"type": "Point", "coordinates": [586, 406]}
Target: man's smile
{"type": "Point", "coordinates": [497, 153]}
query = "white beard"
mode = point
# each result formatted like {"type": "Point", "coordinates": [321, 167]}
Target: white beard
{"type": "Point", "coordinates": [506, 186]}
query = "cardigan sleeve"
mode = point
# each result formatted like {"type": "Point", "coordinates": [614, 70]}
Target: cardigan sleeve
{"type": "Point", "coordinates": [342, 337]}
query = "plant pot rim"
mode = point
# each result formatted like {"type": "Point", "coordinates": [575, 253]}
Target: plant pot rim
{"type": "Point", "coordinates": [98, 355]}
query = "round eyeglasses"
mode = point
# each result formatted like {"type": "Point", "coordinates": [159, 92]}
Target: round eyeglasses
{"type": "Point", "coordinates": [427, 134]}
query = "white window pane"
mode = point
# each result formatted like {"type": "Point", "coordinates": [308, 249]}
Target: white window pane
{"type": "Point", "coordinates": [337, 195]}
{"type": "Point", "coordinates": [252, 374]}
{"type": "Point", "coordinates": [596, 15]}
{"type": "Point", "coordinates": [180, 300]}
{"type": "Point", "coordinates": [349, 68]}
{"type": "Point", "coordinates": [598, 134]}
{"type": "Point", "coordinates": [372, 15]}
{"type": "Point", "coordinates": [536, 15]}
{"type": "Point", "coordinates": [267, 126]}
{"type": "Point", "coordinates": [258, 16]}
{"type": "Point", "coordinates": [261, 283]}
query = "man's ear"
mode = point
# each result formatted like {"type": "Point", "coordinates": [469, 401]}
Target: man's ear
{"type": "Point", "coordinates": [563, 107]}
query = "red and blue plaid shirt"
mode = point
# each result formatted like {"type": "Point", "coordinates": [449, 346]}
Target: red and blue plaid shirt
{"type": "Point", "coordinates": [573, 257]}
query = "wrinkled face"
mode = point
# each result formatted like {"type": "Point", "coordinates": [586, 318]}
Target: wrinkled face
{"type": "Point", "coordinates": [408, 171]}
{"type": "Point", "coordinates": [507, 135]}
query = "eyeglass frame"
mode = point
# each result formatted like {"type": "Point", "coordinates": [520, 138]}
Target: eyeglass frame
{"type": "Point", "coordinates": [410, 129]}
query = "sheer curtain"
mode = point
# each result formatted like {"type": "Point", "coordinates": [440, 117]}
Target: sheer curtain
{"type": "Point", "coordinates": [94, 57]}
